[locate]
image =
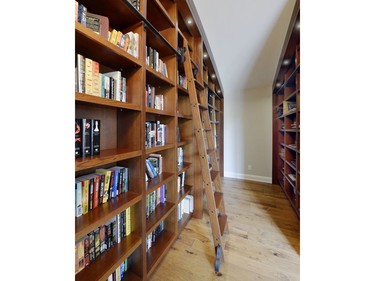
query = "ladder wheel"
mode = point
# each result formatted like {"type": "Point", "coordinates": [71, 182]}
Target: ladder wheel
{"type": "Point", "coordinates": [218, 258]}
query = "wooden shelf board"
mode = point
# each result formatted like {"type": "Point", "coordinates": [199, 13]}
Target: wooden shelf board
{"type": "Point", "coordinates": [105, 157]}
{"type": "Point", "coordinates": [160, 213]}
{"type": "Point", "coordinates": [158, 181]}
{"type": "Point", "coordinates": [119, 13]}
{"type": "Point", "coordinates": [159, 112]}
{"type": "Point", "coordinates": [182, 90]}
{"type": "Point", "coordinates": [97, 48]}
{"type": "Point", "coordinates": [154, 77]}
{"type": "Point", "coordinates": [158, 250]}
{"type": "Point", "coordinates": [183, 192]}
{"type": "Point", "coordinates": [190, 117]}
{"type": "Point", "coordinates": [159, 148]}
{"type": "Point", "coordinates": [158, 15]}
{"type": "Point", "coordinates": [79, 97]}
{"type": "Point", "coordinates": [182, 168]}
{"type": "Point", "coordinates": [198, 85]}
{"type": "Point", "coordinates": [103, 213]}
{"type": "Point", "coordinates": [183, 222]}
{"type": "Point", "coordinates": [108, 261]}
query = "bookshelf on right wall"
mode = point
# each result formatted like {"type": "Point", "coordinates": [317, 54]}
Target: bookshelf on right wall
{"type": "Point", "coordinates": [286, 115]}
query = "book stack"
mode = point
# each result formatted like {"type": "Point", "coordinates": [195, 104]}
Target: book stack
{"type": "Point", "coordinates": [151, 238]}
{"type": "Point", "coordinates": [180, 156]}
{"type": "Point", "coordinates": [182, 81]}
{"type": "Point", "coordinates": [153, 60]}
{"type": "Point", "coordinates": [110, 85]}
{"type": "Point", "coordinates": [129, 42]}
{"type": "Point", "coordinates": [289, 106]}
{"type": "Point", "coordinates": [153, 199]}
{"type": "Point", "coordinates": [154, 100]}
{"type": "Point", "coordinates": [87, 137]}
{"type": "Point", "coordinates": [135, 3]}
{"type": "Point", "coordinates": [181, 181]}
{"type": "Point", "coordinates": [95, 243]}
{"type": "Point", "coordinates": [186, 206]}
{"type": "Point", "coordinates": [156, 134]}
{"type": "Point", "coordinates": [95, 189]}
{"type": "Point", "coordinates": [119, 273]}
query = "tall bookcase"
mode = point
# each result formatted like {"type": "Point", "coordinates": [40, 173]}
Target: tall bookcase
{"type": "Point", "coordinates": [287, 115]}
{"type": "Point", "coordinates": [161, 25]}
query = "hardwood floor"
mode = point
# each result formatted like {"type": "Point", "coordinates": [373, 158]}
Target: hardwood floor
{"type": "Point", "coordinates": [262, 244]}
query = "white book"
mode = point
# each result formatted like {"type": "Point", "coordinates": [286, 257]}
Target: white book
{"type": "Point", "coordinates": [117, 76]}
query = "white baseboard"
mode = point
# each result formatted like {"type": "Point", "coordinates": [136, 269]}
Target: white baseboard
{"type": "Point", "coordinates": [248, 177]}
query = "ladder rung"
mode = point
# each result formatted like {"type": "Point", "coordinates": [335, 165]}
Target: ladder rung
{"type": "Point", "coordinates": [222, 222]}
{"type": "Point", "coordinates": [201, 106]}
{"type": "Point", "coordinates": [210, 150]}
{"type": "Point", "coordinates": [218, 198]}
{"type": "Point", "coordinates": [214, 174]}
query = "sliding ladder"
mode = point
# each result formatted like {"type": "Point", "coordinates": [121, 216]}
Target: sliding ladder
{"type": "Point", "coordinates": [210, 168]}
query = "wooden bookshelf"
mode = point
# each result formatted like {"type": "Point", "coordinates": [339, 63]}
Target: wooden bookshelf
{"type": "Point", "coordinates": [161, 25]}
{"type": "Point", "coordinates": [286, 116]}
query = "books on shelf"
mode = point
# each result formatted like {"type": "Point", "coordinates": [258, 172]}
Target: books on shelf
{"type": "Point", "coordinates": [289, 106]}
{"type": "Point", "coordinates": [154, 100]}
{"type": "Point", "coordinates": [119, 273]}
{"type": "Point", "coordinates": [153, 60]}
{"type": "Point", "coordinates": [110, 85]}
{"type": "Point", "coordinates": [87, 137]}
{"type": "Point", "coordinates": [180, 156]}
{"type": "Point", "coordinates": [94, 189]}
{"type": "Point", "coordinates": [156, 134]}
{"type": "Point", "coordinates": [152, 236]}
{"type": "Point", "coordinates": [102, 238]}
{"type": "Point", "coordinates": [154, 198]}
{"type": "Point", "coordinates": [186, 206]}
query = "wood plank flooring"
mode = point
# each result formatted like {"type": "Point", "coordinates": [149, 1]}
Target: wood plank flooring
{"type": "Point", "coordinates": [263, 242]}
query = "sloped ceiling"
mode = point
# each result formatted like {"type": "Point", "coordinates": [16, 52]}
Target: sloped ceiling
{"type": "Point", "coordinates": [246, 38]}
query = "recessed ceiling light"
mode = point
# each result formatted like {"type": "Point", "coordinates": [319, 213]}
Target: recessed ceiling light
{"type": "Point", "coordinates": [205, 55]}
{"type": "Point", "coordinates": [278, 84]}
{"type": "Point", "coordinates": [213, 76]}
{"type": "Point", "coordinates": [286, 62]}
{"type": "Point", "coordinates": [297, 25]}
{"type": "Point", "coordinates": [219, 91]}
{"type": "Point", "coordinates": [189, 21]}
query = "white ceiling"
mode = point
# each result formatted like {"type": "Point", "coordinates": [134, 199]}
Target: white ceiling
{"type": "Point", "coordinates": [246, 38]}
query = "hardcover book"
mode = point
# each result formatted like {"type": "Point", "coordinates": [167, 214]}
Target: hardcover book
{"type": "Point", "coordinates": [78, 137]}
{"type": "Point", "coordinates": [86, 137]}
{"type": "Point", "coordinates": [103, 23]}
{"type": "Point", "coordinates": [78, 198]}
{"type": "Point", "coordinates": [95, 137]}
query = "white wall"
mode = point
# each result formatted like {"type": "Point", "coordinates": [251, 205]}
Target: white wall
{"type": "Point", "coordinates": [248, 135]}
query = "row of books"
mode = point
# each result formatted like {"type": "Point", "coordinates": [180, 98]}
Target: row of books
{"type": "Point", "coordinates": [91, 246]}
{"type": "Point", "coordinates": [154, 166]}
{"type": "Point", "coordinates": [97, 188]}
{"type": "Point", "coordinates": [151, 238]}
{"type": "Point", "coordinates": [181, 181]}
{"type": "Point", "coordinates": [119, 273]}
{"type": "Point", "coordinates": [180, 156]}
{"type": "Point", "coordinates": [135, 3]}
{"type": "Point", "coordinates": [89, 80]}
{"type": "Point", "coordinates": [154, 100]}
{"type": "Point", "coordinates": [182, 81]}
{"type": "Point", "coordinates": [212, 114]}
{"type": "Point", "coordinates": [156, 134]}
{"type": "Point", "coordinates": [99, 24]}
{"type": "Point", "coordinates": [289, 106]}
{"type": "Point", "coordinates": [186, 206]}
{"type": "Point", "coordinates": [153, 199]}
{"type": "Point", "coordinates": [211, 99]}
{"type": "Point", "coordinates": [153, 60]}
{"type": "Point", "coordinates": [87, 137]}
